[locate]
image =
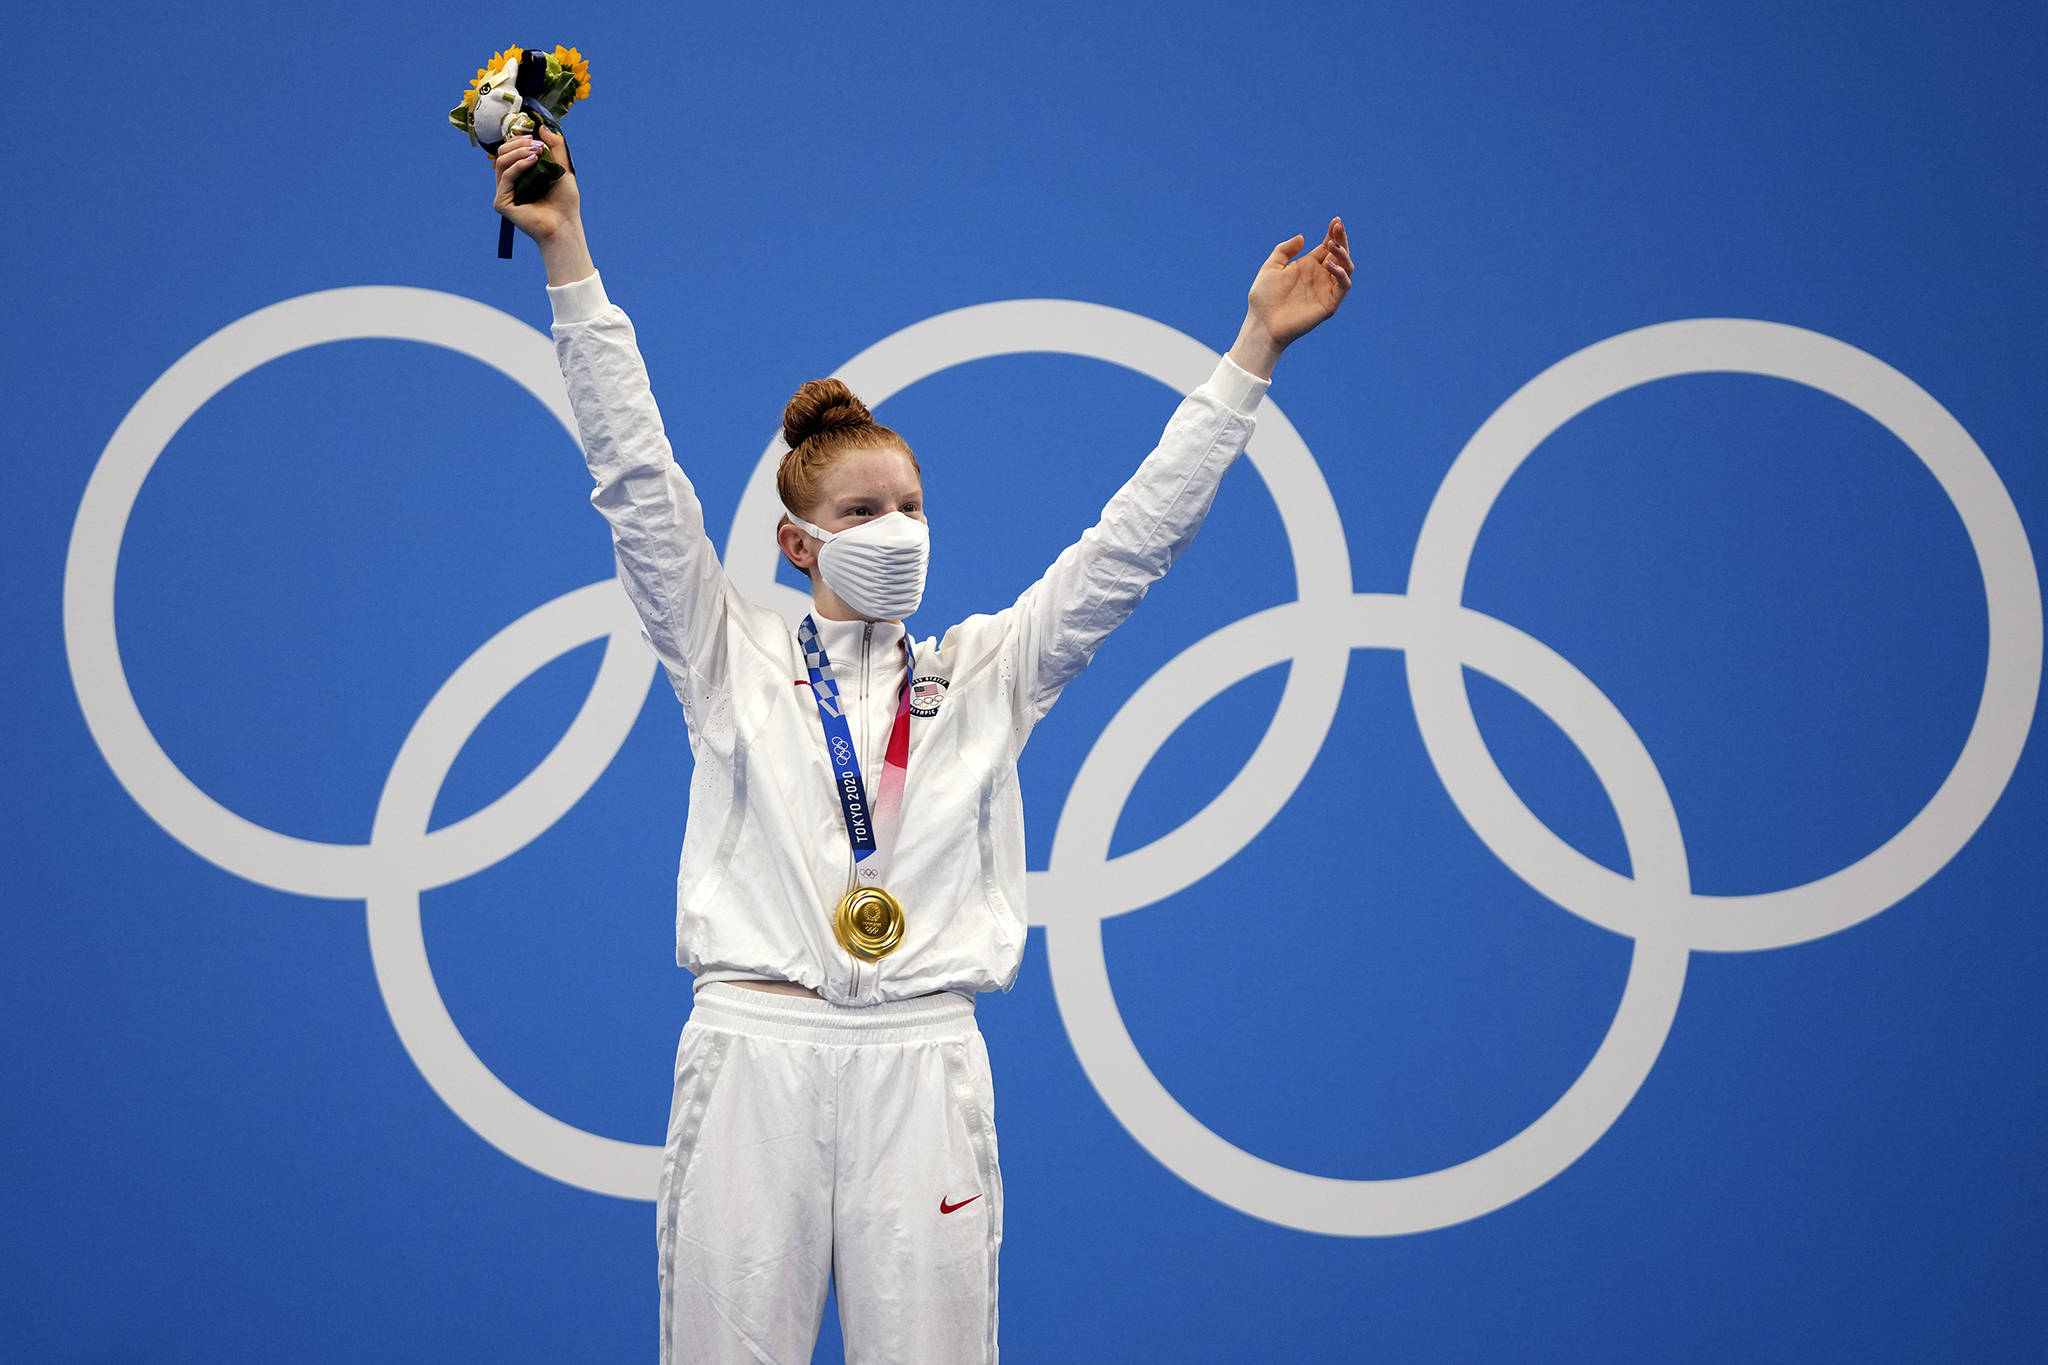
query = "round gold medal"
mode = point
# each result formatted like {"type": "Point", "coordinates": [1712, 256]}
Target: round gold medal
{"type": "Point", "coordinates": [869, 923]}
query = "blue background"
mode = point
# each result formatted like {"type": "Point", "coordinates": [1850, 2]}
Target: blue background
{"type": "Point", "coordinates": [215, 1146]}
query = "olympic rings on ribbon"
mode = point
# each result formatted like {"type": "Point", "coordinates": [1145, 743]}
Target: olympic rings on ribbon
{"type": "Point", "coordinates": [1438, 635]}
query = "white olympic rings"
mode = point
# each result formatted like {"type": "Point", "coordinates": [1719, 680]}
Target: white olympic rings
{"type": "Point", "coordinates": [1439, 637]}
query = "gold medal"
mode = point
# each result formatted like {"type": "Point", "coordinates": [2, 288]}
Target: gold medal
{"type": "Point", "coordinates": [869, 923]}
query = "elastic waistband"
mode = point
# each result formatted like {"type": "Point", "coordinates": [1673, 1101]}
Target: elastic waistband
{"type": "Point", "coordinates": [799, 1019]}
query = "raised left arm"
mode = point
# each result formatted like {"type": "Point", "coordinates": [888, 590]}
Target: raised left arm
{"type": "Point", "coordinates": [1092, 587]}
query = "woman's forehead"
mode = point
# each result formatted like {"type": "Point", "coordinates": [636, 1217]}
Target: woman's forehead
{"type": "Point", "coordinates": [870, 470]}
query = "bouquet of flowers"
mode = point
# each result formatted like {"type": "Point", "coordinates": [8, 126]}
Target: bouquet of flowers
{"type": "Point", "coordinates": [518, 92]}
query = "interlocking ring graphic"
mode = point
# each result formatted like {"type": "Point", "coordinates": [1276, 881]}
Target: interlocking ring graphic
{"type": "Point", "coordinates": [1438, 636]}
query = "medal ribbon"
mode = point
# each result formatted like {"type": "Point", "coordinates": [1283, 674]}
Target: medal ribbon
{"type": "Point", "coordinates": [871, 829]}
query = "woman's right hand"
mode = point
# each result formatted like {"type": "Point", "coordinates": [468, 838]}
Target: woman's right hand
{"type": "Point", "coordinates": [544, 217]}
{"type": "Point", "coordinates": [555, 221]}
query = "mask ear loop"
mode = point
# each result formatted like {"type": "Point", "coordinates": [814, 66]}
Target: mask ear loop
{"type": "Point", "coordinates": [815, 532]}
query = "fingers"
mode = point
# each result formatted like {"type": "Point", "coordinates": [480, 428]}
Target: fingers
{"type": "Point", "coordinates": [1284, 252]}
{"type": "Point", "coordinates": [1332, 257]}
{"type": "Point", "coordinates": [1332, 254]}
{"type": "Point", "coordinates": [1337, 252]}
{"type": "Point", "coordinates": [1334, 251]}
{"type": "Point", "coordinates": [514, 156]}
{"type": "Point", "coordinates": [515, 151]}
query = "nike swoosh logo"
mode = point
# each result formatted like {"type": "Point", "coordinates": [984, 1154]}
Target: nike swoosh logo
{"type": "Point", "coordinates": [944, 1207]}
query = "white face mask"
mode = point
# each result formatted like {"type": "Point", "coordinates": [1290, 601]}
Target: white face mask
{"type": "Point", "coordinates": [876, 567]}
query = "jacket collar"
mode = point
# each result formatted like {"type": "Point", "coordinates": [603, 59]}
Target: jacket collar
{"type": "Point", "coordinates": [842, 638]}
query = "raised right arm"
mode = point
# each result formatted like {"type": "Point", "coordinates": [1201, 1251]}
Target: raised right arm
{"type": "Point", "coordinates": [667, 564]}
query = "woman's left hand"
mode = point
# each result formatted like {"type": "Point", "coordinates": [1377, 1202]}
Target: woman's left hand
{"type": "Point", "coordinates": [1291, 295]}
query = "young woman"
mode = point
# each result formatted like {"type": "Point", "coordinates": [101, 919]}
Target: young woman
{"type": "Point", "coordinates": [853, 865]}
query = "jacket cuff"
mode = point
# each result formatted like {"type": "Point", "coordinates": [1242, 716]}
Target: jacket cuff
{"type": "Point", "coordinates": [1236, 386]}
{"type": "Point", "coordinates": [578, 301]}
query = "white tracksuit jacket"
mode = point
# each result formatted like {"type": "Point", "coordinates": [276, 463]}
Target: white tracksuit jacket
{"type": "Point", "coordinates": [765, 853]}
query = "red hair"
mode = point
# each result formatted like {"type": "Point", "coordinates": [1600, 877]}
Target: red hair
{"type": "Point", "coordinates": [823, 421]}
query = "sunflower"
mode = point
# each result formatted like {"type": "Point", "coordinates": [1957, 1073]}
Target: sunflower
{"type": "Point", "coordinates": [574, 64]}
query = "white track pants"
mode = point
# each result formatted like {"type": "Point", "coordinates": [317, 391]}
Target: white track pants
{"type": "Point", "coordinates": [809, 1141]}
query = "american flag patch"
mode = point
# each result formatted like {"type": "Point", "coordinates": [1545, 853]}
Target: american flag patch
{"type": "Point", "coordinates": [925, 695]}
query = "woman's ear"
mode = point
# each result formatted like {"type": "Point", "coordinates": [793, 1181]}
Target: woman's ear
{"type": "Point", "coordinates": [796, 548]}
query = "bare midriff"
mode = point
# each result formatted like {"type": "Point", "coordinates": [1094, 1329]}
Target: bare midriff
{"type": "Point", "coordinates": [777, 988]}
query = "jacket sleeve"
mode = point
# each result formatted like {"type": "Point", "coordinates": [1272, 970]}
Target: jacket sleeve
{"type": "Point", "coordinates": [667, 564]}
{"type": "Point", "coordinates": [1063, 618]}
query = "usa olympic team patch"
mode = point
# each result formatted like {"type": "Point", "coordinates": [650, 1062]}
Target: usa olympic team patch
{"type": "Point", "coordinates": [927, 690]}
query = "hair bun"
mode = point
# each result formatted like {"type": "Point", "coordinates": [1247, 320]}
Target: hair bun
{"type": "Point", "coordinates": [820, 406]}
